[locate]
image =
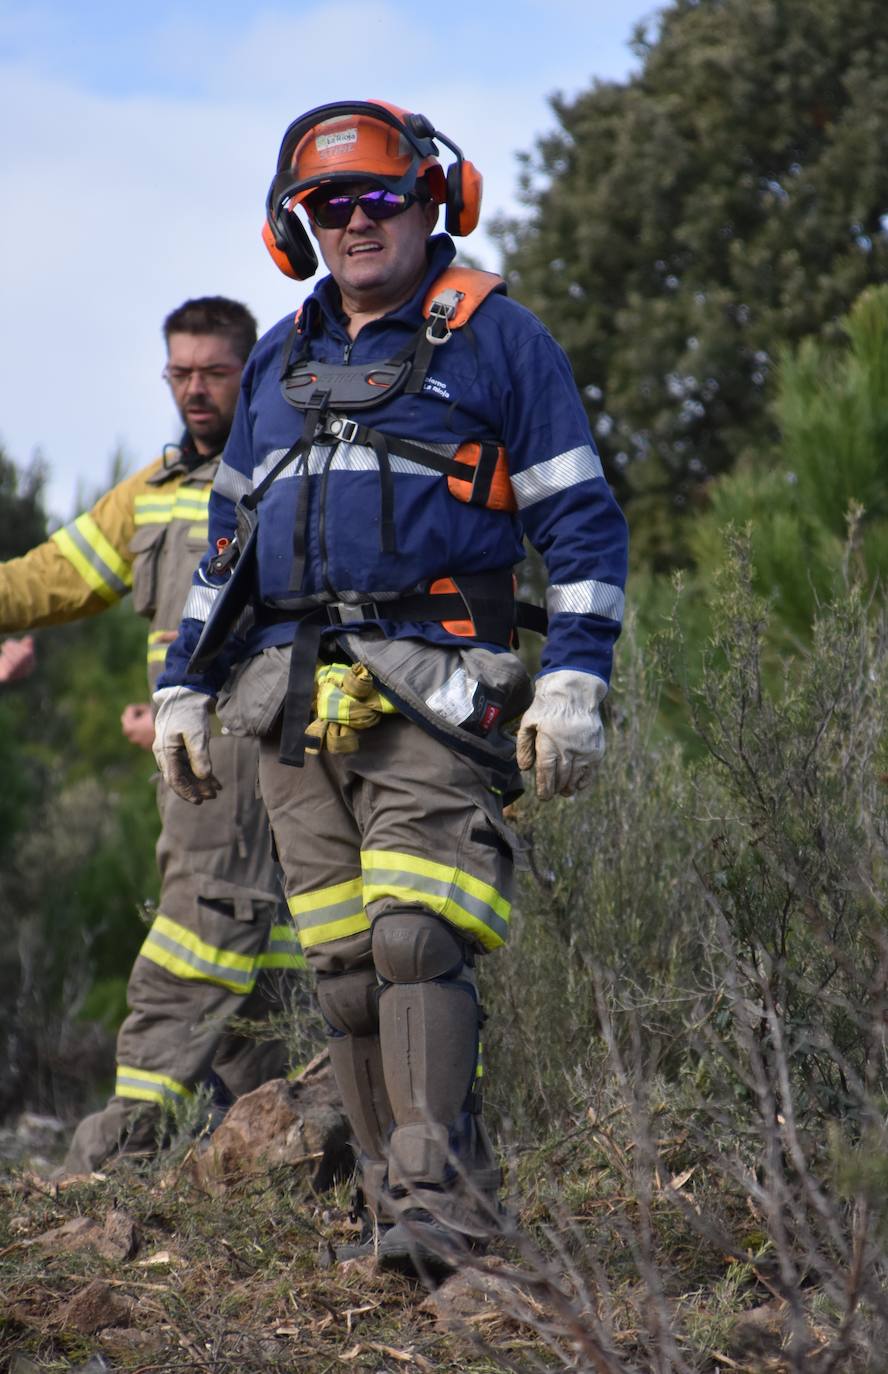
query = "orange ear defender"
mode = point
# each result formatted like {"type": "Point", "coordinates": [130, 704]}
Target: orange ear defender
{"type": "Point", "coordinates": [354, 139]}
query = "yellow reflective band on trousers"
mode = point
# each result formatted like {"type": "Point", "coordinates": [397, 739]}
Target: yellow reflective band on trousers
{"type": "Point", "coordinates": [282, 950]}
{"type": "Point", "coordinates": [181, 952]}
{"type": "Point", "coordinates": [186, 503]}
{"type": "Point", "coordinates": [158, 644]}
{"type": "Point", "coordinates": [329, 913]}
{"type": "Point", "coordinates": [94, 558]}
{"type": "Point", "coordinates": [464, 901]}
{"type": "Point", "coordinates": [146, 1086]}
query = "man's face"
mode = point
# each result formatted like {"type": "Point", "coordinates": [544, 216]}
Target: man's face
{"type": "Point", "coordinates": [377, 263]}
{"type": "Point", "coordinates": [204, 372]}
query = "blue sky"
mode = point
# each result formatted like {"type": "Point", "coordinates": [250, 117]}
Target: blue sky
{"type": "Point", "coordinates": [138, 145]}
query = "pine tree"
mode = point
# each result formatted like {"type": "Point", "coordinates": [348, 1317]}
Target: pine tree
{"type": "Point", "coordinates": [728, 199]}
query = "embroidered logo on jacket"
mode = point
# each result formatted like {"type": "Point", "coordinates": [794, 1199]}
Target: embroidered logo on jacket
{"type": "Point", "coordinates": [436, 387]}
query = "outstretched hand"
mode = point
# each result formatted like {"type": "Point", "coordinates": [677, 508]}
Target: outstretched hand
{"type": "Point", "coordinates": [18, 659]}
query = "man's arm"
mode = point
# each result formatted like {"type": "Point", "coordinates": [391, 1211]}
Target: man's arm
{"type": "Point", "coordinates": [567, 509]}
{"type": "Point", "coordinates": [571, 517]}
{"type": "Point", "coordinates": [82, 569]}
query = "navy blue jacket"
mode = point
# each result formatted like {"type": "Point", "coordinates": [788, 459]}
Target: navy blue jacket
{"type": "Point", "coordinates": [503, 377]}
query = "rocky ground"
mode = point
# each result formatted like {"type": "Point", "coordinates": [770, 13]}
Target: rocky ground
{"type": "Point", "coordinates": [221, 1258]}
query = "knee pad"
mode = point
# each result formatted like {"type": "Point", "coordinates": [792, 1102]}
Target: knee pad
{"type": "Point", "coordinates": [349, 1001]}
{"type": "Point", "coordinates": [412, 945]}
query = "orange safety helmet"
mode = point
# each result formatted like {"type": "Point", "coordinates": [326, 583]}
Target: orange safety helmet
{"type": "Point", "coordinates": [349, 139]}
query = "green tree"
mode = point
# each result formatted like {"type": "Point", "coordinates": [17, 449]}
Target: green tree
{"type": "Point", "coordinates": [77, 827]}
{"type": "Point", "coordinates": [831, 408]}
{"type": "Point", "coordinates": [684, 225]}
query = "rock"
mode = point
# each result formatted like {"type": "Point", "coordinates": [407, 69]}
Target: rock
{"type": "Point", "coordinates": [115, 1240]}
{"type": "Point", "coordinates": [119, 1237]}
{"type": "Point", "coordinates": [759, 1331]}
{"type": "Point", "coordinates": [299, 1124]}
{"type": "Point", "coordinates": [94, 1307]}
{"type": "Point", "coordinates": [39, 1133]}
{"type": "Point", "coordinates": [76, 1234]}
{"type": "Point", "coordinates": [473, 1292]}
{"type": "Point", "coordinates": [128, 1340]}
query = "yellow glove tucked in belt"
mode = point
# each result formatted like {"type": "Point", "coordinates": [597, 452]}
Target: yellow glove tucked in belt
{"type": "Point", "coordinates": [345, 701]}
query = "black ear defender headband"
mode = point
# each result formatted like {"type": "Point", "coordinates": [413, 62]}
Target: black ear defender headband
{"type": "Point", "coordinates": [284, 233]}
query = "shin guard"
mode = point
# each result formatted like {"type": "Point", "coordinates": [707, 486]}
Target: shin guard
{"type": "Point", "coordinates": [348, 1002]}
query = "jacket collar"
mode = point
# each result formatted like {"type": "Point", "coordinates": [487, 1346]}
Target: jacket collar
{"type": "Point", "coordinates": [183, 459]}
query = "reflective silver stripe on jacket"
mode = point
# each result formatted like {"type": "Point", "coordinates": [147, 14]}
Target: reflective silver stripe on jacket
{"type": "Point", "coordinates": [199, 602]}
{"type": "Point", "coordinates": [589, 598]}
{"type": "Point", "coordinates": [555, 474]}
{"type": "Point", "coordinates": [349, 458]}
{"type": "Point", "coordinates": [231, 483]}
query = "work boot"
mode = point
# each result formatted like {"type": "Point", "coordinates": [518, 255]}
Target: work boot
{"type": "Point", "coordinates": [373, 1227]}
{"type": "Point", "coordinates": [420, 1246]}
{"type": "Point", "coordinates": [368, 1244]}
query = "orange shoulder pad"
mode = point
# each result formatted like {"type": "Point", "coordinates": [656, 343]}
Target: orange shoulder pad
{"type": "Point", "coordinates": [473, 286]}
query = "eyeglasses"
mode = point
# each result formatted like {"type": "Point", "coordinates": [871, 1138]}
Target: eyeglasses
{"type": "Point", "coordinates": [213, 376]}
{"type": "Point", "coordinates": [335, 211]}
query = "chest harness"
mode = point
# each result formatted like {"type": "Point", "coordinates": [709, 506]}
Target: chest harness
{"type": "Point", "coordinates": [479, 606]}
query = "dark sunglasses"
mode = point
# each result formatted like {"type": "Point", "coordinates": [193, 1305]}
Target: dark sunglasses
{"type": "Point", "coordinates": [334, 211]}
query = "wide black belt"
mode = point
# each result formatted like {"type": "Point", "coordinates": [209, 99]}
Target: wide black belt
{"type": "Point", "coordinates": [484, 598]}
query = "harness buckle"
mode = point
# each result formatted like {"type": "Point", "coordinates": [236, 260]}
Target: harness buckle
{"type": "Point", "coordinates": [343, 429]}
{"type": "Point", "coordinates": [441, 312]}
{"type": "Point", "coordinates": [341, 612]}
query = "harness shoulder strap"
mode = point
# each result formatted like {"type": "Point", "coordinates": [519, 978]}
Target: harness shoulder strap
{"type": "Point", "coordinates": [469, 287]}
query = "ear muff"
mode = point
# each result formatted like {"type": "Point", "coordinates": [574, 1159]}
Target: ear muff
{"type": "Point", "coordinates": [289, 245]}
{"type": "Point", "coordinates": [464, 185]}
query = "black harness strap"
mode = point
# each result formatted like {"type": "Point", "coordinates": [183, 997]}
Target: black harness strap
{"type": "Point", "coordinates": [313, 419]}
{"type": "Point", "coordinates": [300, 686]}
{"type": "Point", "coordinates": [386, 492]}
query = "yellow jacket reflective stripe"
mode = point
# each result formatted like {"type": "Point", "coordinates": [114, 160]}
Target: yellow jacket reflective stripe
{"type": "Point", "coordinates": [467, 902]}
{"type": "Point", "coordinates": [146, 1086]}
{"type": "Point", "coordinates": [81, 569]}
{"type": "Point", "coordinates": [160, 508]}
{"type": "Point", "coordinates": [97, 561]}
{"type": "Point", "coordinates": [329, 913]}
{"type": "Point", "coordinates": [180, 951]}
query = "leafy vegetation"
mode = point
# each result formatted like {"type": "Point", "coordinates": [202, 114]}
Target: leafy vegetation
{"type": "Point", "coordinates": [77, 828]}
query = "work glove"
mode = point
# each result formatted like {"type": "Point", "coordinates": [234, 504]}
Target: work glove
{"type": "Point", "coordinates": [561, 733]}
{"type": "Point", "coordinates": [346, 700]}
{"type": "Point", "coordinates": [182, 743]}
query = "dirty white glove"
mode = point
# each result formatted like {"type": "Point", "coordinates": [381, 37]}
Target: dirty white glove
{"type": "Point", "coordinates": [560, 732]}
{"type": "Point", "coordinates": [182, 743]}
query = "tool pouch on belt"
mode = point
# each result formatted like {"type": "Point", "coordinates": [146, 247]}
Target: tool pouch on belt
{"type": "Point", "coordinates": [254, 692]}
{"type": "Point", "coordinates": [346, 701]}
{"type": "Point", "coordinates": [463, 696]}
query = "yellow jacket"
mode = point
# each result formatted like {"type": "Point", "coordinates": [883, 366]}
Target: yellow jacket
{"type": "Point", "coordinates": [144, 536]}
